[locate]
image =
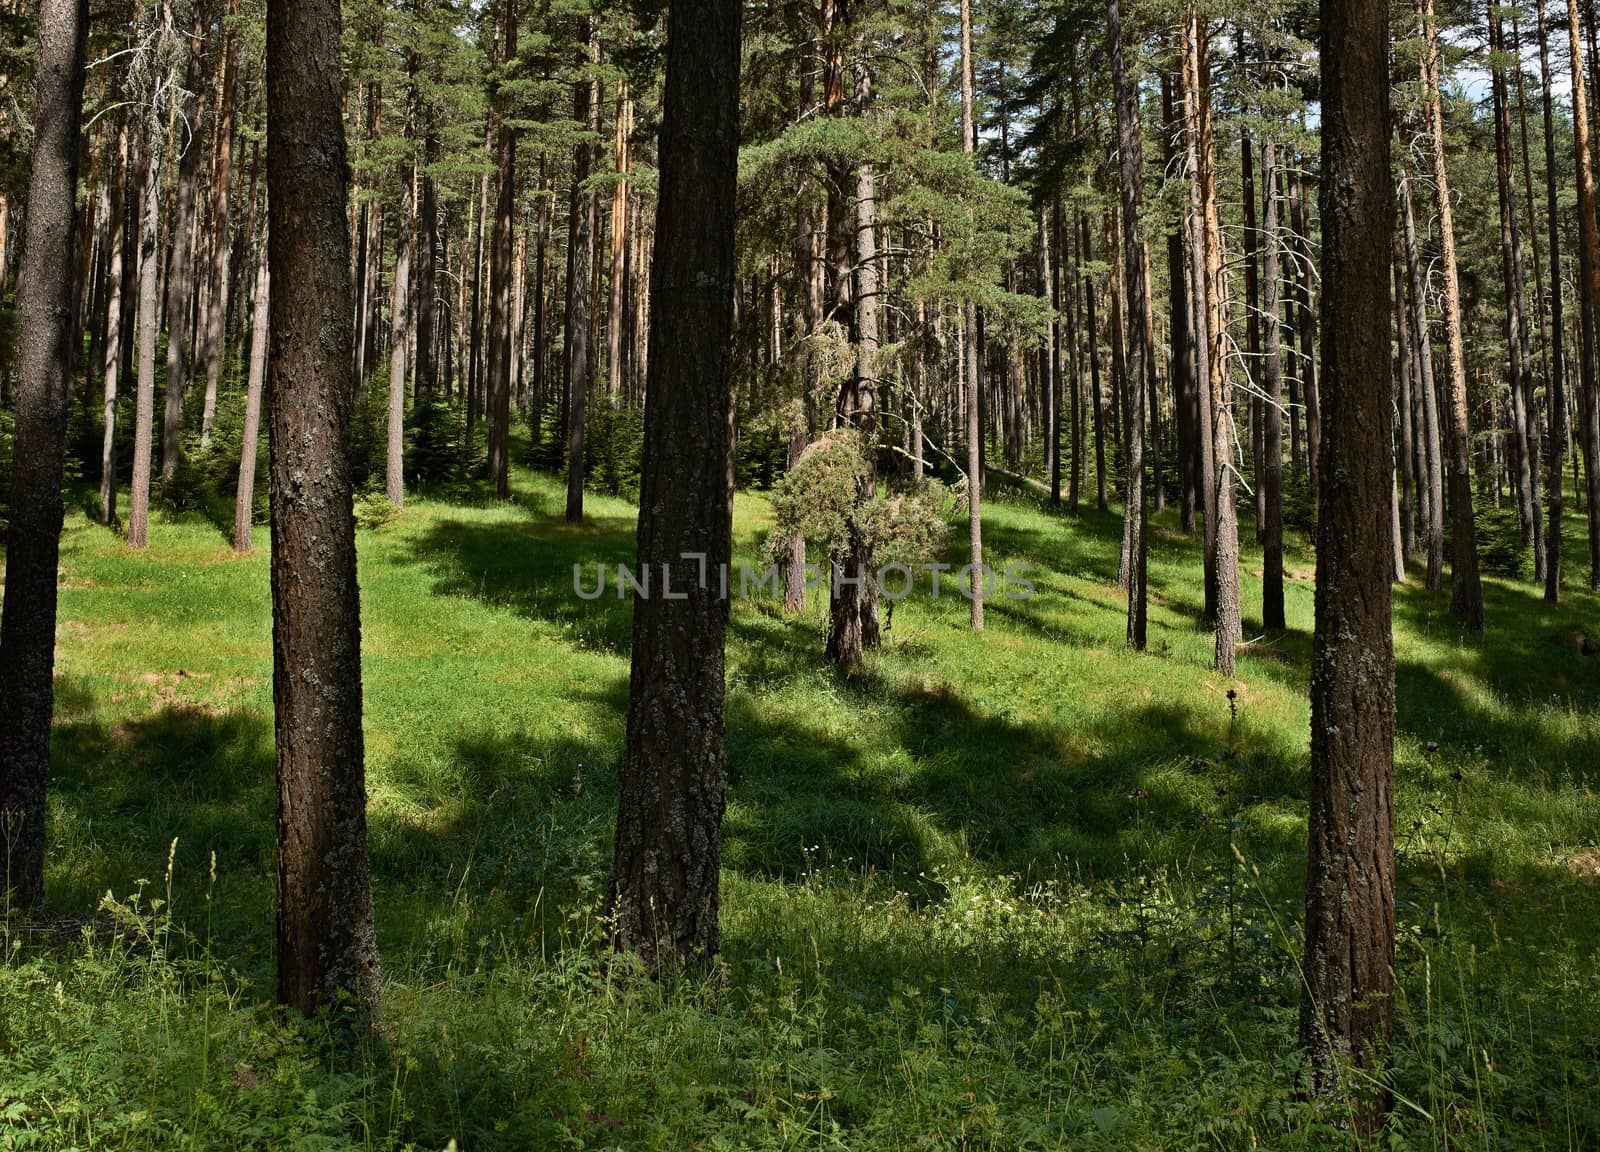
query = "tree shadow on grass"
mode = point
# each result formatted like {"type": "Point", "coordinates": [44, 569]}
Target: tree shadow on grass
{"type": "Point", "coordinates": [528, 567]}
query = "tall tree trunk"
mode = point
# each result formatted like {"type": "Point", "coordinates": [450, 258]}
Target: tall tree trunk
{"type": "Point", "coordinates": [498, 385]}
{"type": "Point", "coordinates": [424, 372]}
{"type": "Point", "coordinates": [1220, 503]}
{"type": "Point", "coordinates": [1525, 462]}
{"type": "Point", "coordinates": [1306, 313]}
{"type": "Point", "coordinates": [245, 498]}
{"type": "Point", "coordinates": [1272, 606]}
{"type": "Point", "coordinates": [180, 281]}
{"type": "Point", "coordinates": [1541, 557]}
{"type": "Point", "coordinates": [853, 616]}
{"type": "Point", "coordinates": [1200, 315]}
{"type": "Point", "coordinates": [1049, 382]}
{"type": "Point", "coordinates": [1430, 405]}
{"type": "Point", "coordinates": [1405, 400]}
{"type": "Point", "coordinates": [44, 385]}
{"type": "Point", "coordinates": [327, 946]}
{"type": "Point", "coordinates": [621, 154]}
{"type": "Point", "coordinates": [1185, 404]}
{"type": "Point", "coordinates": [1588, 297]}
{"type": "Point", "coordinates": [1058, 366]}
{"type": "Point", "coordinates": [519, 318]}
{"type": "Point", "coordinates": [221, 246]}
{"type": "Point", "coordinates": [1140, 346]}
{"type": "Point", "coordinates": [116, 334]}
{"type": "Point", "coordinates": [1252, 308]}
{"type": "Point", "coordinates": [808, 261]}
{"type": "Point", "coordinates": [475, 342]}
{"type": "Point", "coordinates": [399, 345]}
{"type": "Point", "coordinates": [1556, 384]}
{"type": "Point", "coordinates": [370, 256]}
{"type": "Point", "coordinates": [149, 287]}
{"type": "Point", "coordinates": [426, 254]}
{"type": "Point", "coordinates": [541, 260]}
{"type": "Point", "coordinates": [581, 271]}
{"type": "Point", "coordinates": [1347, 1006]}
{"type": "Point", "coordinates": [1096, 399]}
{"type": "Point", "coordinates": [667, 862]}
{"type": "Point", "coordinates": [973, 373]}
{"type": "Point", "coordinates": [1466, 601]}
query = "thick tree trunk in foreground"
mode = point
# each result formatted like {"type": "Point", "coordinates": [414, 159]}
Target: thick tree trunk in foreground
{"type": "Point", "coordinates": [1347, 1007]}
{"type": "Point", "coordinates": [664, 886]}
{"type": "Point", "coordinates": [327, 947]}
{"type": "Point", "coordinates": [44, 316]}
{"type": "Point", "coordinates": [1466, 600]}
{"type": "Point", "coordinates": [1130, 150]}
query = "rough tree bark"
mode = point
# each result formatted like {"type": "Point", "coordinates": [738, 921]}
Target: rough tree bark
{"type": "Point", "coordinates": [853, 617]}
{"type": "Point", "coordinates": [327, 947]}
{"type": "Point", "coordinates": [44, 384]}
{"type": "Point", "coordinates": [1220, 505]}
{"type": "Point", "coordinates": [1346, 1007]}
{"type": "Point", "coordinates": [664, 886]}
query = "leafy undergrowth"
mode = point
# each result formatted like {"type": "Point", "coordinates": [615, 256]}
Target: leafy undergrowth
{"type": "Point", "coordinates": [1016, 891]}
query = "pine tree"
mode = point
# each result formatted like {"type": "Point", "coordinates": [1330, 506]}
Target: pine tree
{"type": "Point", "coordinates": [44, 359]}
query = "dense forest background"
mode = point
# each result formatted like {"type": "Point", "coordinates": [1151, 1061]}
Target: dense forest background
{"type": "Point", "coordinates": [502, 210]}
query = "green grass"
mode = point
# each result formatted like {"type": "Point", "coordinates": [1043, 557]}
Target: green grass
{"type": "Point", "coordinates": [1013, 891]}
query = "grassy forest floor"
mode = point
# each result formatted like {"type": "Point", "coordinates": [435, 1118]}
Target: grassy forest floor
{"type": "Point", "coordinates": [1015, 891]}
